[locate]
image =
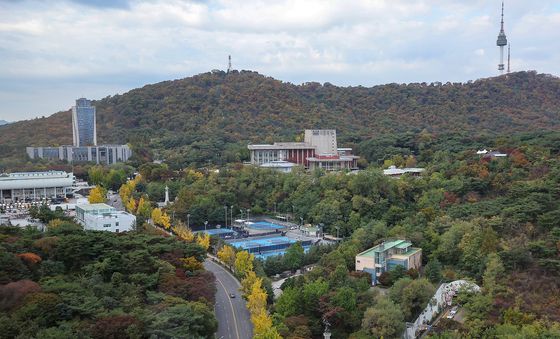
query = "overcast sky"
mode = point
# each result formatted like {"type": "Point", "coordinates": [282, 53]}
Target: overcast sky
{"type": "Point", "coordinates": [52, 52]}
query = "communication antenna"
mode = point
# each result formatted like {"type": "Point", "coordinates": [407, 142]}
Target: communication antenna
{"type": "Point", "coordinates": [501, 42]}
{"type": "Point", "coordinates": [229, 64]}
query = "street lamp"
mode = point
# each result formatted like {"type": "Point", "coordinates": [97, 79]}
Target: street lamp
{"type": "Point", "coordinates": [231, 216]}
{"type": "Point", "coordinates": [188, 220]}
{"type": "Point", "coordinates": [225, 214]}
{"type": "Point", "coordinates": [205, 223]}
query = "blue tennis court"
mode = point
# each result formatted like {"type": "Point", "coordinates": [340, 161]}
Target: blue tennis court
{"type": "Point", "coordinates": [218, 231]}
{"type": "Point", "coordinates": [264, 243]}
{"type": "Point", "coordinates": [264, 225]}
{"type": "Point", "coordinates": [269, 246]}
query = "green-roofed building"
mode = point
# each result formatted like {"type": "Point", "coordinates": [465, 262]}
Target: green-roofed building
{"type": "Point", "coordinates": [386, 256]}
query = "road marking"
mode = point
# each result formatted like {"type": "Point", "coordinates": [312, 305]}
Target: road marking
{"type": "Point", "coordinates": [232, 309]}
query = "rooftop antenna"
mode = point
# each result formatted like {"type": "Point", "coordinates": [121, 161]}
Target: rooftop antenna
{"type": "Point", "coordinates": [229, 64]}
{"type": "Point", "coordinates": [509, 57]}
{"type": "Point", "coordinates": [501, 42]}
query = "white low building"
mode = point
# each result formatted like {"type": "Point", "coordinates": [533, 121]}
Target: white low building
{"type": "Point", "coordinates": [280, 166]}
{"type": "Point", "coordinates": [102, 217]}
{"type": "Point", "coordinates": [33, 186]}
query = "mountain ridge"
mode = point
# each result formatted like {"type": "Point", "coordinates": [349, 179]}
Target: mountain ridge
{"type": "Point", "coordinates": [199, 117]}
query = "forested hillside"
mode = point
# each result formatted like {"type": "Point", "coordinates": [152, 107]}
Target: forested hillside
{"type": "Point", "coordinates": [212, 116]}
{"type": "Point", "coordinates": [70, 283]}
{"type": "Point", "coordinates": [494, 221]}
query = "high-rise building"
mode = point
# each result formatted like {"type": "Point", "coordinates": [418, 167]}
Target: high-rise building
{"type": "Point", "coordinates": [84, 131]}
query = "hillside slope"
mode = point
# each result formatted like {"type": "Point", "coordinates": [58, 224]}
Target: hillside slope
{"type": "Point", "coordinates": [195, 119]}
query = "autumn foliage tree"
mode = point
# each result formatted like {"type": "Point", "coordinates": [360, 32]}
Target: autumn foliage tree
{"type": "Point", "coordinates": [97, 195]}
{"type": "Point", "coordinates": [227, 255]}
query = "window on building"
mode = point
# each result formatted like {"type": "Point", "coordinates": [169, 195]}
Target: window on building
{"type": "Point", "coordinates": [117, 223]}
{"type": "Point", "coordinates": [106, 225]}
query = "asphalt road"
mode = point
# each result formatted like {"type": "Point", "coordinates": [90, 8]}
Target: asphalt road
{"type": "Point", "coordinates": [234, 320]}
{"type": "Point", "coordinates": [115, 201]}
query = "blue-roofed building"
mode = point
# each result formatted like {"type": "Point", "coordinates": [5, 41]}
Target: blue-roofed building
{"type": "Point", "coordinates": [388, 255]}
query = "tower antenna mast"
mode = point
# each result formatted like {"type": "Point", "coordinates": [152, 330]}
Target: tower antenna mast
{"type": "Point", "coordinates": [229, 64]}
{"type": "Point", "coordinates": [501, 42]}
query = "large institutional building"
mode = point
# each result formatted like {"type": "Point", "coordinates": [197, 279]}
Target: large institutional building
{"type": "Point", "coordinates": [32, 186]}
{"type": "Point", "coordinates": [103, 154]}
{"type": "Point", "coordinates": [318, 150]}
{"type": "Point", "coordinates": [84, 136]}
{"type": "Point", "coordinates": [102, 217]}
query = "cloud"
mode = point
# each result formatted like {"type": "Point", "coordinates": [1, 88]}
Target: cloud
{"type": "Point", "coordinates": [103, 47]}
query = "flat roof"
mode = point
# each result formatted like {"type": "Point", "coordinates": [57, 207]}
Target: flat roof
{"type": "Point", "coordinates": [33, 175]}
{"type": "Point", "coordinates": [281, 146]}
{"type": "Point", "coordinates": [94, 207]}
{"type": "Point", "coordinates": [386, 245]}
{"type": "Point", "coordinates": [341, 158]}
{"type": "Point", "coordinates": [392, 170]}
{"type": "Point", "coordinates": [281, 164]}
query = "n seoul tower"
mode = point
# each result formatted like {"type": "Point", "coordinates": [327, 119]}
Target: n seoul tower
{"type": "Point", "coordinates": [502, 41]}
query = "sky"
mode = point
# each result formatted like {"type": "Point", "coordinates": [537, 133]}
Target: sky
{"type": "Point", "coordinates": [52, 52]}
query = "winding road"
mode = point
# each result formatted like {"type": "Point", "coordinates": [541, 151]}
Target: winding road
{"type": "Point", "coordinates": [234, 320]}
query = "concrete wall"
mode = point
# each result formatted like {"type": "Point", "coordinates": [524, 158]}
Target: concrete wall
{"type": "Point", "coordinates": [364, 262]}
{"type": "Point", "coordinates": [323, 139]}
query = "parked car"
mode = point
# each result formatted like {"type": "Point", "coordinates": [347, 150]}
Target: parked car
{"type": "Point", "coordinates": [452, 312]}
{"type": "Point", "coordinates": [232, 295]}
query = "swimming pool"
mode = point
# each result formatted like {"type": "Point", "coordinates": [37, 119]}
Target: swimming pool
{"type": "Point", "coordinates": [264, 225]}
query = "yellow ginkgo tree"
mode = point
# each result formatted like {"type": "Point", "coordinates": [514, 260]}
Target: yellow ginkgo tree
{"type": "Point", "coordinates": [97, 195]}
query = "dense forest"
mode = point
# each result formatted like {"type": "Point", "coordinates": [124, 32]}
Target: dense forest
{"type": "Point", "coordinates": [209, 118]}
{"type": "Point", "coordinates": [69, 283]}
{"type": "Point", "coordinates": [493, 221]}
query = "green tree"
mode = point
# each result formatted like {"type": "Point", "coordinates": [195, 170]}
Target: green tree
{"type": "Point", "coordinates": [289, 302]}
{"type": "Point", "coordinates": [186, 320]}
{"type": "Point", "coordinates": [384, 320]}
{"type": "Point", "coordinates": [493, 273]}
{"type": "Point", "coordinates": [293, 259]}
{"type": "Point", "coordinates": [432, 271]}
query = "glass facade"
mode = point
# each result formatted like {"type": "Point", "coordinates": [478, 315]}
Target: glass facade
{"type": "Point", "coordinates": [83, 123]}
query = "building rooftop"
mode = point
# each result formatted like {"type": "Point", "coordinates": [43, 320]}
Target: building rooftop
{"type": "Point", "coordinates": [278, 164]}
{"type": "Point", "coordinates": [401, 244]}
{"type": "Point", "coordinates": [94, 207]}
{"type": "Point", "coordinates": [281, 145]}
{"type": "Point", "coordinates": [34, 175]}
{"type": "Point", "coordinates": [332, 158]}
{"type": "Point", "coordinates": [393, 170]}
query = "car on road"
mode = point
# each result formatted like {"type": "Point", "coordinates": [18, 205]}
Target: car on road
{"type": "Point", "coordinates": [452, 312]}
{"type": "Point", "coordinates": [232, 295]}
